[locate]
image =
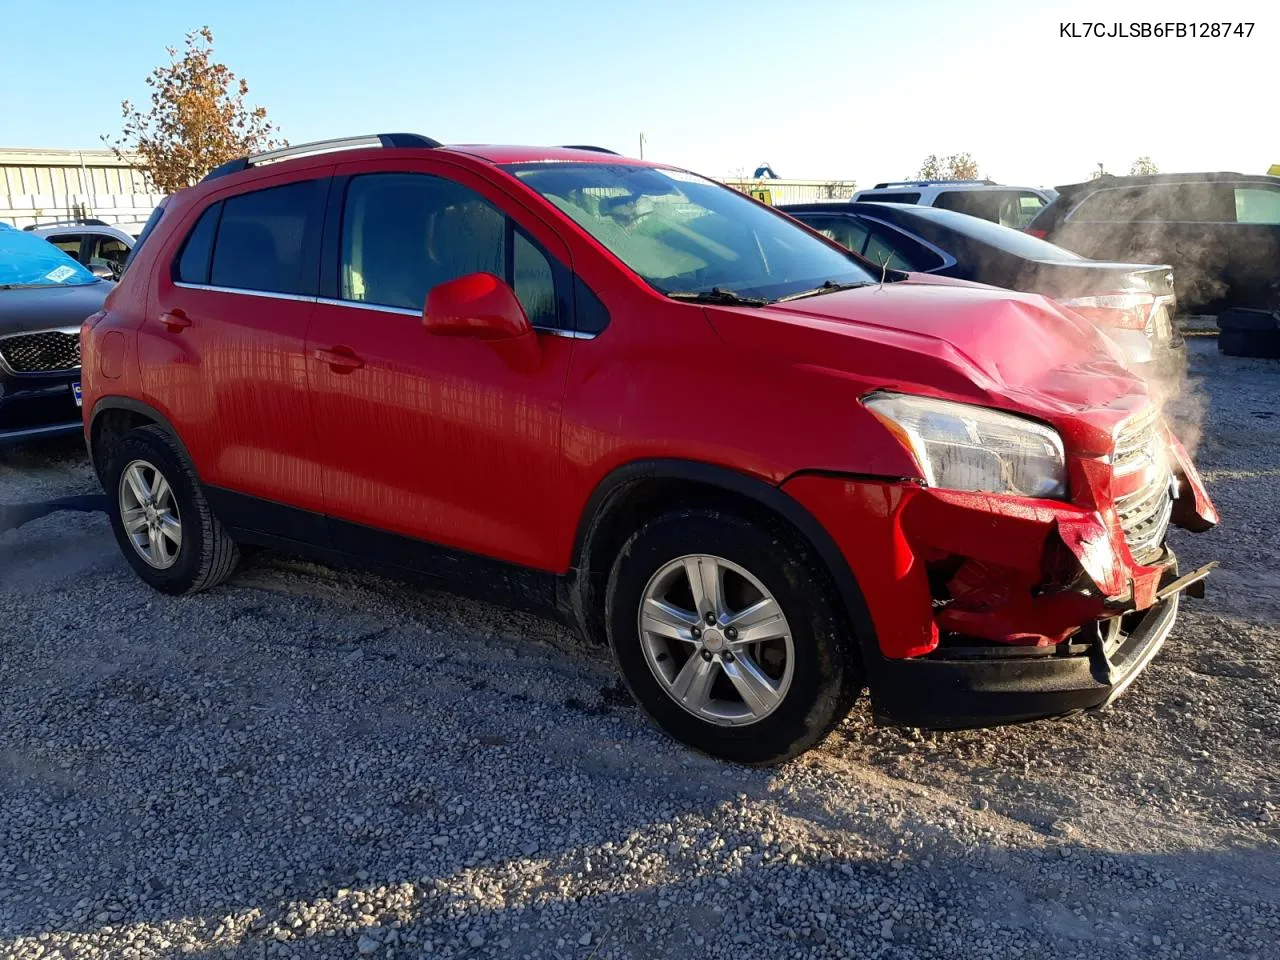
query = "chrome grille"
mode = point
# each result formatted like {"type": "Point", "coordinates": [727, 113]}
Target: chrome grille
{"type": "Point", "coordinates": [1144, 514]}
{"type": "Point", "coordinates": [43, 352]}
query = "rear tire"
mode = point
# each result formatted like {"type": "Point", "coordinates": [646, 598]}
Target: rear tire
{"type": "Point", "coordinates": [165, 528]}
{"type": "Point", "coordinates": [710, 685]}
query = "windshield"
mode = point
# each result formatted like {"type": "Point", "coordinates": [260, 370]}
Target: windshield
{"type": "Point", "coordinates": [686, 235]}
{"type": "Point", "coordinates": [1002, 238]}
{"type": "Point", "coordinates": [29, 261]}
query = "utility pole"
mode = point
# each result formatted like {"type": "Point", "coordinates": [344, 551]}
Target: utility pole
{"type": "Point", "coordinates": [641, 146]}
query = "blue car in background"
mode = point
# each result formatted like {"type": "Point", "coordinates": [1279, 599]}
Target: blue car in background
{"type": "Point", "coordinates": [44, 297]}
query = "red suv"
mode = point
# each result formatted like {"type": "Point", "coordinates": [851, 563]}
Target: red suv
{"type": "Point", "coordinates": [767, 473]}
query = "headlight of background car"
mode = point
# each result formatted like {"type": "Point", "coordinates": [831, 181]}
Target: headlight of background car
{"type": "Point", "coordinates": [963, 447]}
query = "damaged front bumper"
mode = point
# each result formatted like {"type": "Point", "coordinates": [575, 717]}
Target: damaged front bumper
{"type": "Point", "coordinates": [950, 689]}
{"type": "Point", "coordinates": [995, 609]}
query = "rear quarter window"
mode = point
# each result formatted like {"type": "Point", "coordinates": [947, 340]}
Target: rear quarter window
{"type": "Point", "coordinates": [192, 265]}
{"type": "Point", "coordinates": [1260, 204]}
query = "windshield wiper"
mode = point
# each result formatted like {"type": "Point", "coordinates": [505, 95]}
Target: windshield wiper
{"type": "Point", "coordinates": [829, 286]}
{"type": "Point", "coordinates": [718, 295]}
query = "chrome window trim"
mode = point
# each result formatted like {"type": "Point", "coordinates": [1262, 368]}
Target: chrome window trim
{"type": "Point", "coordinates": [406, 312]}
{"type": "Point", "coordinates": [376, 307]}
{"type": "Point", "coordinates": [354, 305]}
{"type": "Point", "coordinates": [272, 294]}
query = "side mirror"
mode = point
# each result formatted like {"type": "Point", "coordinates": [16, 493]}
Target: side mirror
{"type": "Point", "coordinates": [102, 271]}
{"type": "Point", "coordinates": [476, 305]}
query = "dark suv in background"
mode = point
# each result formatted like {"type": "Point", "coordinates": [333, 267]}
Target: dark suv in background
{"type": "Point", "coordinates": [44, 297]}
{"type": "Point", "coordinates": [1219, 231]}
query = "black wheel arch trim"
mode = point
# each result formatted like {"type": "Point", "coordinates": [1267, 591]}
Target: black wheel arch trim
{"type": "Point", "coordinates": [109, 403]}
{"type": "Point", "coordinates": [753, 488]}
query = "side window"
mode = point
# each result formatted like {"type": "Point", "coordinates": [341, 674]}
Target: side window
{"type": "Point", "coordinates": [900, 251]}
{"type": "Point", "coordinates": [193, 262]}
{"type": "Point", "coordinates": [403, 233]}
{"type": "Point", "coordinates": [109, 252]}
{"type": "Point", "coordinates": [1019, 209]}
{"type": "Point", "coordinates": [1257, 205]}
{"type": "Point", "coordinates": [259, 244]}
{"type": "Point", "coordinates": [845, 231]}
{"type": "Point", "coordinates": [68, 244]}
{"type": "Point", "coordinates": [534, 282]}
{"type": "Point", "coordinates": [1158, 202]}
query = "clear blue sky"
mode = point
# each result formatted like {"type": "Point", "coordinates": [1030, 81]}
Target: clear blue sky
{"type": "Point", "coordinates": [818, 89]}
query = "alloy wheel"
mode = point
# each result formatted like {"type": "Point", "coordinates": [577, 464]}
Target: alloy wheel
{"type": "Point", "coordinates": [149, 513]}
{"type": "Point", "coordinates": [716, 640]}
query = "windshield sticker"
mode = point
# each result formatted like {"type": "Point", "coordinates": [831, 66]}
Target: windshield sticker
{"type": "Point", "coordinates": [58, 274]}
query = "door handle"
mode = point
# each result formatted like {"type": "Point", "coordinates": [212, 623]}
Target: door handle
{"type": "Point", "coordinates": [175, 321]}
{"type": "Point", "coordinates": [340, 359]}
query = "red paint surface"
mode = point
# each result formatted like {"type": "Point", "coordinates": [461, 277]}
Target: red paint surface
{"type": "Point", "coordinates": [496, 447]}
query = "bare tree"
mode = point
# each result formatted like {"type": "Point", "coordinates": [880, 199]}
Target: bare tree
{"type": "Point", "coordinates": [1143, 167]}
{"type": "Point", "coordinates": [198, 118]}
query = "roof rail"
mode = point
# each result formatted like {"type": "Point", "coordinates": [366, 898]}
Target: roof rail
{"type": "Point", "coordinates": [587, 146]}
{"type": "Point", "coordinates": [77, 222]}
{"type": "Point", "coordinates": [928, 183]}
{"type": "Point", "coordinates": [385, 140]}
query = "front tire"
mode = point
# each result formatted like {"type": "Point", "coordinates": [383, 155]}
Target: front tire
{"type": "Point", "coordinates": [160, 517]}
{"type": "Point", "coordinates": [726, 633]}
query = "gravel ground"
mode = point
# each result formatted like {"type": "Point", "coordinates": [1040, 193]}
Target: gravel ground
{"type": "Point", "coordinates": [312, 763]}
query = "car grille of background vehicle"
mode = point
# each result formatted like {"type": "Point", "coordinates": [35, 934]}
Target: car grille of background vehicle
{"type": "Point", "coordinates": [1144, 514]}
{"type": "Point", "coordinates": [43, 352]}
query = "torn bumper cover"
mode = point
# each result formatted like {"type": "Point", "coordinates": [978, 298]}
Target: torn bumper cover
{"type": "Point", "coordinates": [995, 609]}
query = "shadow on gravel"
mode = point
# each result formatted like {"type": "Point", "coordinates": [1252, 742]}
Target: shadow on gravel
{"type": "Point", "coordinates": [13, 515]}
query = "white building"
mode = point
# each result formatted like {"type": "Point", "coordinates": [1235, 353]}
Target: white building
{"type": "Point", "coordinates": [42, 186]}
{"type": "Point", "coordinates": [773, 191]}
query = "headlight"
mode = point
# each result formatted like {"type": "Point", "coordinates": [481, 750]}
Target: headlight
{"type": "Point", "coordinates": [963, 447]}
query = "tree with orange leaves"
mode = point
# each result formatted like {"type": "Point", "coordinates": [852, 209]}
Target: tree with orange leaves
{"type": "Point", "coordinates": [198, 118]}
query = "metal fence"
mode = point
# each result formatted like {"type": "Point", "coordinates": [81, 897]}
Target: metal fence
{"type": "Point", "coordinates": [43, 186]}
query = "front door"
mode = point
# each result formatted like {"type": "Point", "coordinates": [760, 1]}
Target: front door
{"type": "Point", "coordinates": [426, 439]}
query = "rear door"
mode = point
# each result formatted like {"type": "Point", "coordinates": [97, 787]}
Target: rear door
{"type": "Point", "coordinates": [222, 350]}
{"type": "Point", "coordinates": [426, 440]}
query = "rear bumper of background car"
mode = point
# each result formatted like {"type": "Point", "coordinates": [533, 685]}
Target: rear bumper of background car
{"type": "Point", "coordinates": [990, 609]}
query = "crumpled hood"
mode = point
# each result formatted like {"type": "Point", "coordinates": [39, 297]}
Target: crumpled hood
{"type": "Point", "coordinates": [954, 340]}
